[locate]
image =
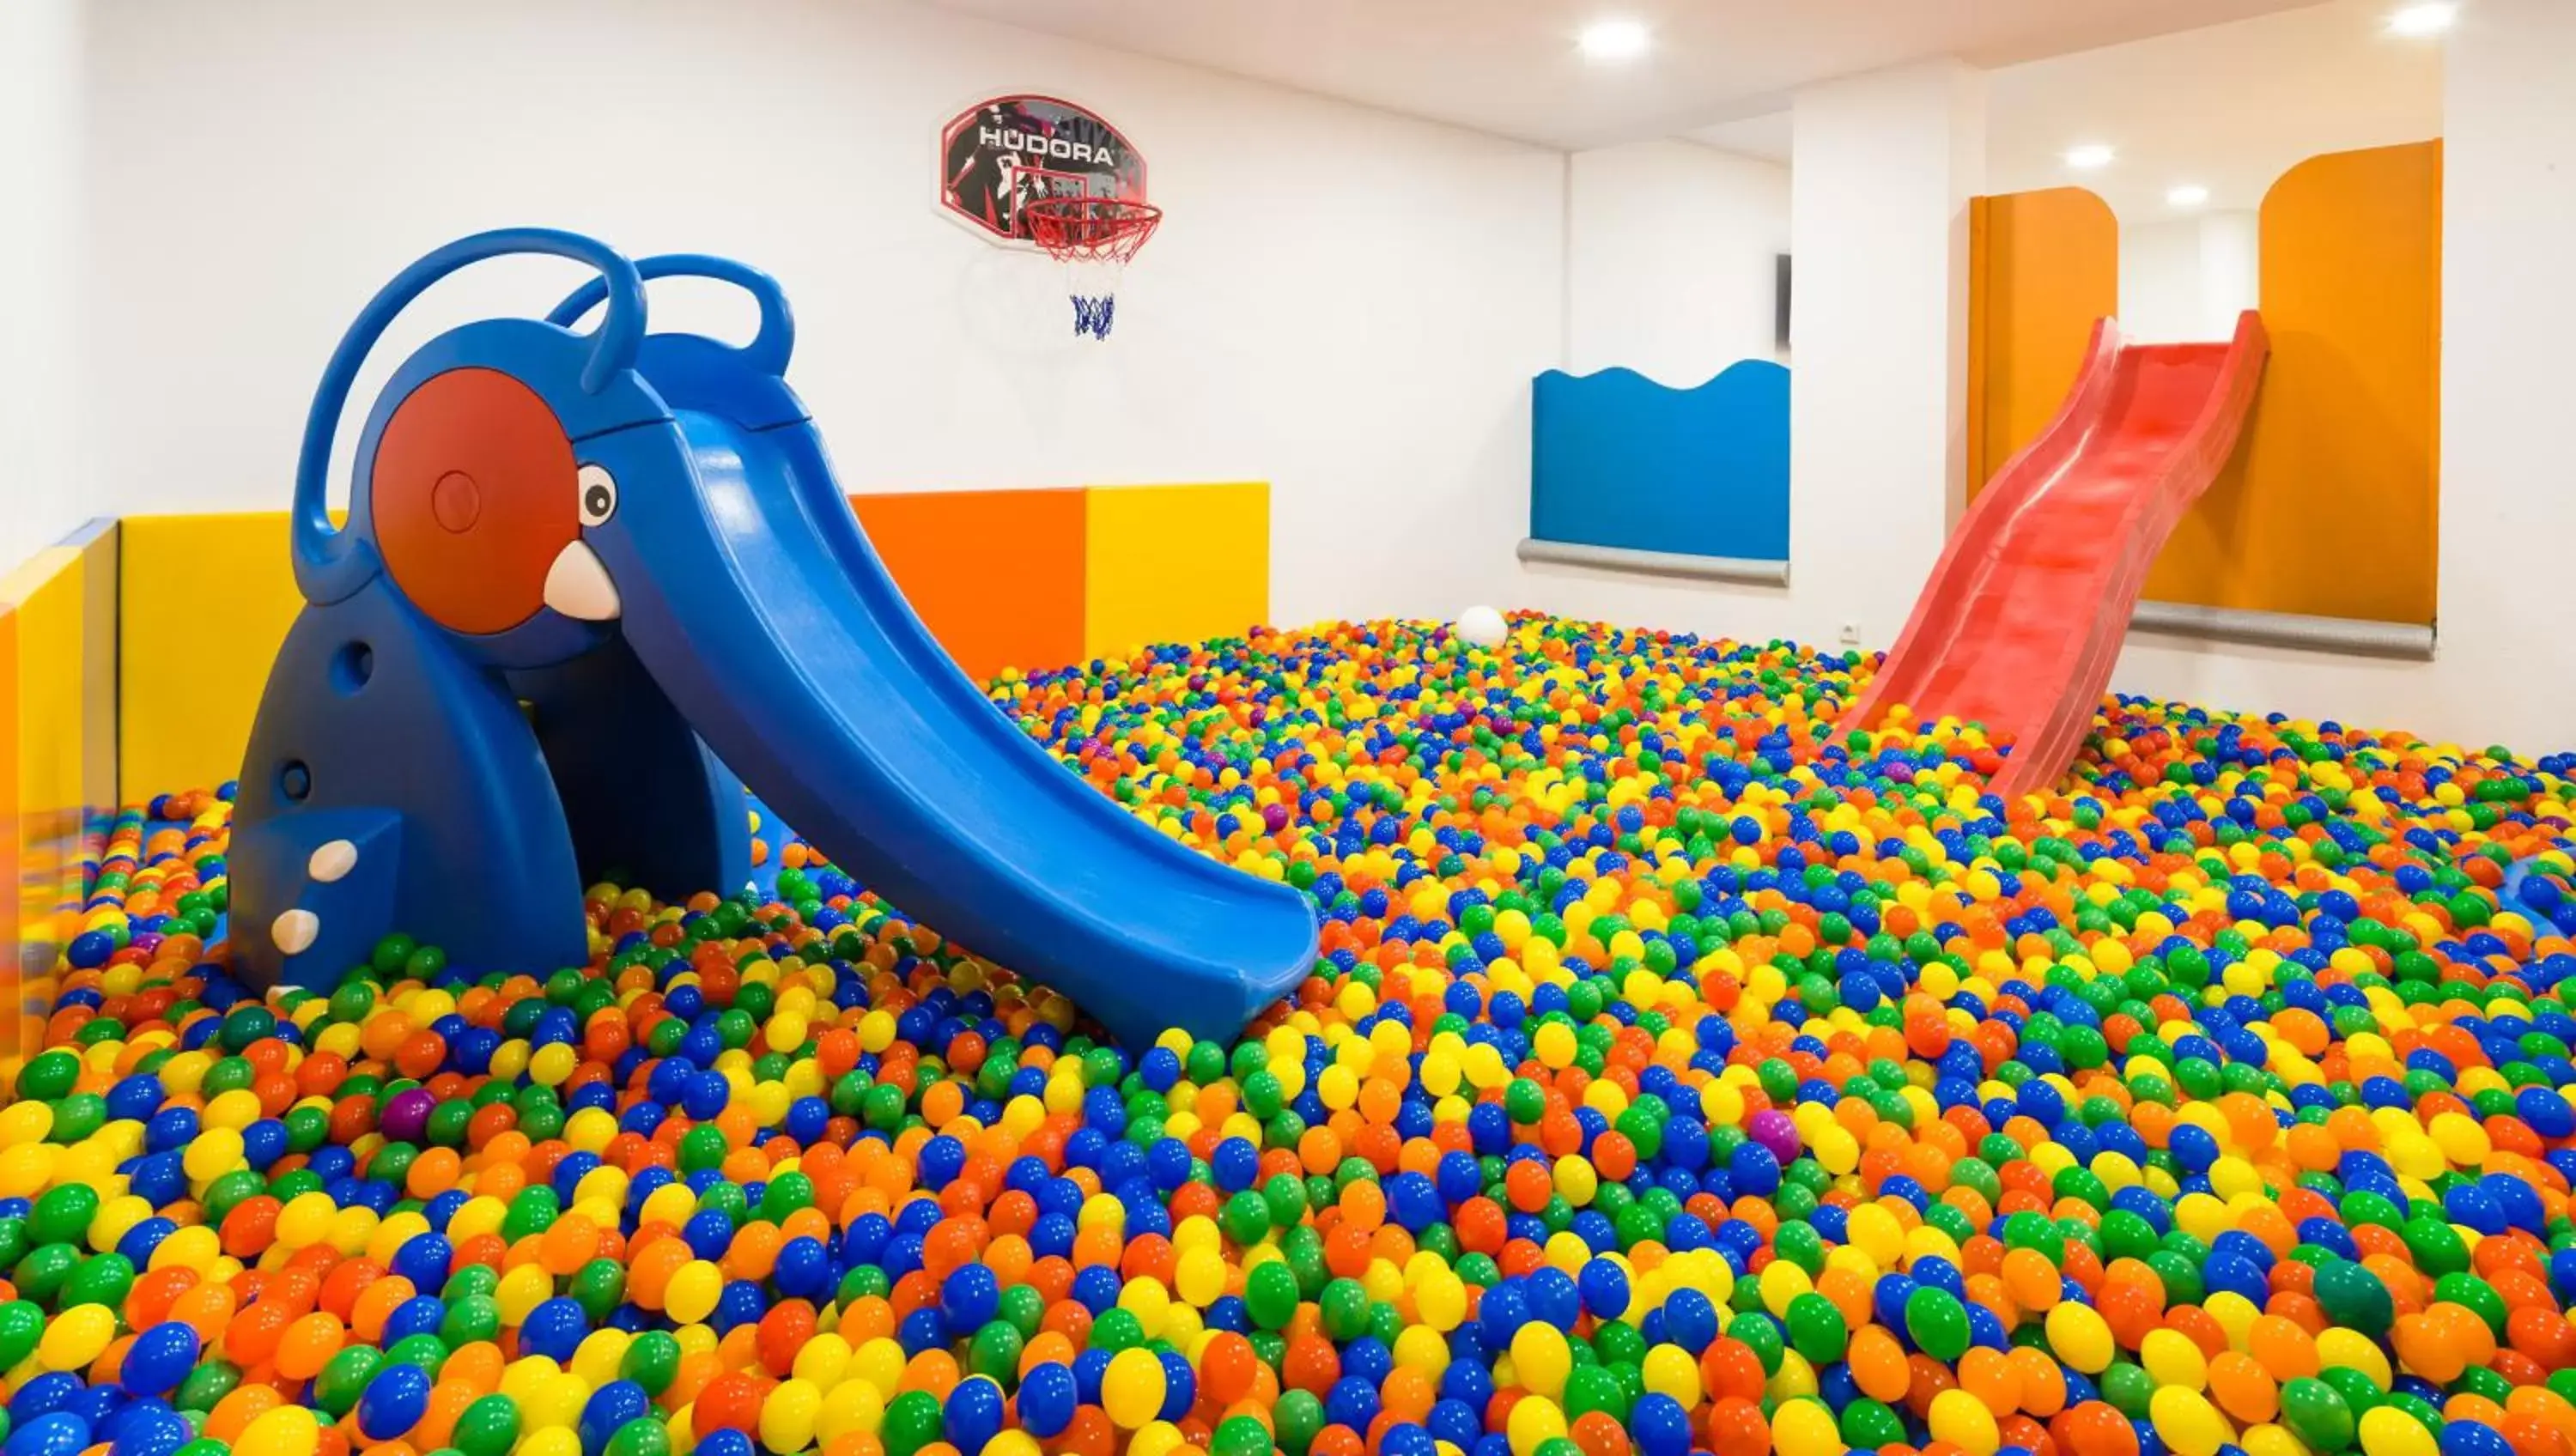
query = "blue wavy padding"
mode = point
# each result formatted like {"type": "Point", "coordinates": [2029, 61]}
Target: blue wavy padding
{"type": "Point", "coordinates": [1619, 460]}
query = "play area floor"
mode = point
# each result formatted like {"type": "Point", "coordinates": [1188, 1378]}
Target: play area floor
{"type": "Point", "coordinates": [1674, 1077]}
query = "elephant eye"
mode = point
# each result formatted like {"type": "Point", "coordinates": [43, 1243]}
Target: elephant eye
{"type": "Point", "coordinates": [598, 495]}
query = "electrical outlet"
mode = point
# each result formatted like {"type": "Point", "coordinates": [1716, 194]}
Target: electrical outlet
{"type": "Point", "coordinates": [1851, 634]}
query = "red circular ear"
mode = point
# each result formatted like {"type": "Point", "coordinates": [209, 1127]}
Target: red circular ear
{"type": "Point", "coordinates": [473, 494]}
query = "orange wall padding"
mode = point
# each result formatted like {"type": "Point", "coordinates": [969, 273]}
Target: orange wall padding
{"type": "Point", "coordinates": [1026, 579]}
{"type": "Point", "coordinates": [997, 575]}
{"type": "Point", "coordinates": [2043, 266]}
{"type": "Point", "coordinates": [2332, 503]}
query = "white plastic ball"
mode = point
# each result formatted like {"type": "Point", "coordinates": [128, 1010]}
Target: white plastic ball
{"type": "Point", "coordinates": [1482, 626]}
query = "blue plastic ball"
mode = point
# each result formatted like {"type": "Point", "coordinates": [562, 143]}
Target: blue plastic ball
{"type": "Point", "coordinates": [555, 1329]}
{"type": "Point", "coordinates": [973, 1414]}
{"type": "Point", "coordinates": [1049, 1396]}
{"type": "Point", "coordinates": [160, 1358]}
{"type": "Point", "coordinates": [609, 1409]}
{"type": "Point", "coordinates": [393, 1402]}
{"type": "Point", "coordinates": [969, 1298]}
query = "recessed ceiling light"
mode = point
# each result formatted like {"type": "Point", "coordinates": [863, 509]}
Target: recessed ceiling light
{"type": "Point", "coordinates": [2190, 194]}
{"type": "Point", "coordinates": [2089, 157]}
{"type": "Point", "coordinates": [1616, 39]}
{"type": "Point", "coordinates": [2432, 17]}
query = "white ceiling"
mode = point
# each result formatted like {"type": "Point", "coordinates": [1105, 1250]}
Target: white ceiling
{"type": "Point", "coordinates": [2229, 108]}
{"type": "Point", "coordinates": [1755, 136]}
{"type": "Point", "coordinates": [1510, 67]}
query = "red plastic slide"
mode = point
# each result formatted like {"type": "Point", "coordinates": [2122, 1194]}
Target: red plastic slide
{"type": "Point", "coordinates": [2022, 620]}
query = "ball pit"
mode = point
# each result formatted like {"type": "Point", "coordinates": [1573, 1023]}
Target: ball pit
{"type": "Point", "coordinates": [1670, 1083]}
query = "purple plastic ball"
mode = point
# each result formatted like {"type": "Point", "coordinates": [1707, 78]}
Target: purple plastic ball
{"type": "Point", "coordinates": [1772, 1129]}
{"type": "Point", "coordinates": [406, 1115]}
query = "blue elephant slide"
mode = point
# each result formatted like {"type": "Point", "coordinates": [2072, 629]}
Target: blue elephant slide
{"type": "Point", "coordinates": [595, 584]}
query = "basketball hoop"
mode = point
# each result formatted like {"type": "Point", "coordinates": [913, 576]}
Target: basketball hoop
{"type": "Point", "coordinates": [1093, 237]}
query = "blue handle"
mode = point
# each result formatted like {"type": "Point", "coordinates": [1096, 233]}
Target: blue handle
{"type": "Point", "coordinates": [331, 563]}
{"type": "Point", "coordinates": [768, 350]}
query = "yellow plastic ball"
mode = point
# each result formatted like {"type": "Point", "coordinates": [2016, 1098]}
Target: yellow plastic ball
{"type": "Point", "coordinates": [1441, 1301]}
{"type": "Point", "coordinates": [75, 1337]}
{"type": "Point", "coordinates": [520, 1291]}
{"type": "Point", "coordinates": [1805, 1428]}
{"type": "Point", "coordinates": [1542, 1358]}
{"type": "Point", "coordinates": [851, 1408]}
{"type": "Point", "coordinates": [2272, 1440]}
{"type": "Point", "coordinates": [694, 1289]}
{"type": "Point", "coordinates": [2187, 1423]}
{"type": "Point", "coordinates": [2388, 1431]}
{"type": "Point", "coordinates": [555, 1403]}
{"type": "Point", "coordinates": [1422, 1349]}
{"type": "Point", "coordinates": [1670, 1371]}
{"type": "Point", "coordinates": [880, 1364]}
{"type": "Point", "coordinates": [2354, 1350]}
{"type": "Point", "coordinates": [1199, 1276]}
{"type": "Point", "coordinates": [824, 1360]}
{"type": "Point", "coordinates": [286, 1430]}
{"type": "Point", "coordinates": [212, 1153]}
{"type": "Point", "coordinates": [2171, 1358]}
{"type": "Point", "coordinates": [1148, 1301]}
{"type": "Point", "coordinates": [1534, 1421]}
{"type": "Point", "coordinates": [1781, 1282]}
{"type": "Point", "coordinates": [551, 1441]}
{"type": "Point", "coordinates": [1963, 1420]}
{"type": "Point", "coordinates": [2081, 1338]}
{"type": "Point", "coordinates": [790, 1415]}
{"type": "Point", "coordinates": [1131, 1389]}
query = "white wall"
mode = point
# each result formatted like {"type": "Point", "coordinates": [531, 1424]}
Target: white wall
{"type": "Point", "coordinates": [1883, 170]}
{"type": "Point", "coordinates": [2159, 281]}
{"type": "Point", "coordinates": [2506, 665]}
{"type": "Point", "coordinates": [1879, 179]}
{"type": "Point", "coordinates": [41, 498]}
{"type": "Point", "coordinates": [2184, 280]}
{"type": "Point", "coordinates": [1348, 304]}
{"type": "Point", "coordinates": [1671, 263]}
{"type": "Point", "coordinates": [2231, 269]}
{"type": "Point", "coordinates": [2226, 107]}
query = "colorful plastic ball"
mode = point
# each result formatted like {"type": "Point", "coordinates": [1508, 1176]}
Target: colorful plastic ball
{"type": "Point", "coordinates": [57, 1433]}
{"type": "Point", "coordinates": [285, 1430]}
{"type": "Point", "coordinates": [1683, 1069]}
{"type": "Point", "coordinates": [1482, 626]}
{"type": "Point", "coordinates": [2385, 1430]}
{"type": "Point", "coordinates": [159, 1359]}
{"type": "Point", "coordinates": [394, 1402]}
{"type": "Point", "coordinates": [1132, 1388]}
{"type": "Point", "coordinates": [2186, 1423]}
{"type": "Point", "coordinates": [973, 1414]}
{"type": "Point", "coordinates": [1048, 1397]}
{"type": "Point", "coordinates": [2472, 1438]}
{"type": "Point", "coordinates": [555, 1329]}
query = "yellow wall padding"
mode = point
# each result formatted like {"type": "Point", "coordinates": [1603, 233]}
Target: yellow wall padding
{"type": "Point", "coordinates": [1174, 563]}
{"type": "Point", "coordinates": [2331, 505]}
{"type": "Point", "coordinates": [2042, 267]}
{"type": "Point", "coordinates": [1157, 564]}
{"type": "Point", "coordinates": [16, 1031]}
{"type": "Point", "coordinates": [41, 661]}
{"type": "Point", "coordinates": [101, 544]}
{"type": "Point", "coordinates": [206, 601]}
